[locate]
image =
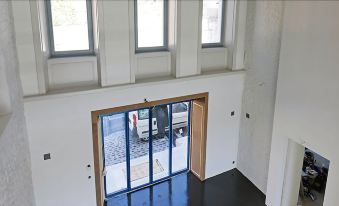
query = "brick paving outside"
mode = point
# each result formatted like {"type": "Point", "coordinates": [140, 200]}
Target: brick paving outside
{"type": "Point", "coordinates": [115, 147]}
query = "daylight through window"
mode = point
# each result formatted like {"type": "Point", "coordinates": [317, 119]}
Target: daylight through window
{"type": "Point", "coordinates": [151, 24]}
{"type": "Point", "coordinates": [70, 26]}
{"type": "Point", "coordinates": [212, 22]}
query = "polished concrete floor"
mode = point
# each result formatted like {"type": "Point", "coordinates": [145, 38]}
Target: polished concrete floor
{"type": "Point", "coordinates": [228, 189]}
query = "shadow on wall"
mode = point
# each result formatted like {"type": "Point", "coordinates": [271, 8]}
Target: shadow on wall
{"type": "Point", "coordinates": [5, 104]}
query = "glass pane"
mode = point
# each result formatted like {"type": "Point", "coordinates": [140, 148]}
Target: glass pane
{"type": "Point", "coordinates": [143, 114]}
{"type": "Point", "coordinates": [150, 18]}
{"type": "Point", "coordinates": [139, 148]}
{"type": "Point", "coordinates": [115, 152]}
{"type": "Point", "coordinates": [70, 29]}
{"type": "Point", "coordinates": [160, 142]}
{"type": "Point", "coordinates": [212, 21]}
{"type": "Point", "coordinates": [180, 136]}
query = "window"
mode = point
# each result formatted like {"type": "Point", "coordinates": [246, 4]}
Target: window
{"type": "Point", "coordinates": [212, 23]}
{"type": "Point", "coordinates": [70, 27]}
{"type": "Point", "coordinates": [151, 25]}
{"type": "Point", "coordinates": [143, 114]}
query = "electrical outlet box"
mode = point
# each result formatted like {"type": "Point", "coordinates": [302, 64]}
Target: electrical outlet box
{"type": "Point", "coordinates": [47, 156]}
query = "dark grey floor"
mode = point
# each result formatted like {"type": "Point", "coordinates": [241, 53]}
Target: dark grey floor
{"type": "Point", "coordinates": [227, 189]}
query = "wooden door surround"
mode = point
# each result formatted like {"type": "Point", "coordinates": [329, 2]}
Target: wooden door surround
{"type": "Point", "coordinates": [201, 98]}
{"type": "Point", "coordinates": [198, 138]}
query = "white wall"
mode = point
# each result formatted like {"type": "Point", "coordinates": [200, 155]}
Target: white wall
{"type": "Point", "coordinates": [307, 92]}
{"type": "Point", "coordinates": [151, 65]}
{"type": "Point", "coordinates": [71, 72]}
{"type": "Point", "coordinates": [264, 21]}
{"type": "Point", "coordinates": [25, 47]}
{"type": "Point", "coordinates": [114, 41]}
{"type": "Point", "coordinates": [5, 102]}
{"type": "Point", "coordinates": [294, 158]}
{"type": "Point", "coordinates": [213, 59]}
{"type": "Point", "coordinates": [16, 188]}
{"type": "Point", "coordinates": [61, 124]}
{"type": "Point", "coordinates": [114, 45]}
{"type": "Point", "coordinates": [188, 41]}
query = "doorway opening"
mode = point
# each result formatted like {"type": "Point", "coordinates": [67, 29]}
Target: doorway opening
{"type": "Point", "coordinates": [313, 179]}
{"type": "Point", "coordinates": [134, 157]}
{"type": "Point", "coordinates": [143, 144]}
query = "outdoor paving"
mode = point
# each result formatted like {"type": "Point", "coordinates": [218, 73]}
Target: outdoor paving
{"type": "Point", "coordinates": [115, 147]}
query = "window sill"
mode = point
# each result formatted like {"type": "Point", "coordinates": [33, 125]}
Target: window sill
{"type": "Point", "coordinates": [4, 119]}
{"type": "Point", "coordinates": [57, 60]}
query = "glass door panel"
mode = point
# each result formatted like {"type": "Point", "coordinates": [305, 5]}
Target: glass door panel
{"type": "Point", "coordinates": [139, 145]}
{"type": "Point", "coordinates": [134, 156]}
{"type": "Point", "coordinates": [160, 141]}
{"type": "Point", "coordinates": [114, 141]}
{"type": "Point", "coordinates": [180, 135]}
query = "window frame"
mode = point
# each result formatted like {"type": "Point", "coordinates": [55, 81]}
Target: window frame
{"type": "Point", "coordinates": [222, 35]}
{"type": "Point", "coordinates": [165, 37]}
{"type": "Point", "coordinates": [70, 53]}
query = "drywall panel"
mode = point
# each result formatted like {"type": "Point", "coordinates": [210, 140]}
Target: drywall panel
{"type": "Point", "coordinates": [150, 65]}
{"type": "Point", "coordinates": [213, 59]}
{"type": "Point", "coordinates": [187, 38]}
{"type": "Point", "coordinates": [61, 125]}
{"type": "Point", "coordinates": [16, 187]}
{"type": "Point", "coordinates": [74, 71]}
{"type": "Point", "coordinates": [307, 92]}
{"type": "Point", "coordinates": [264, 21]}
{"type": "Point", "coordinates": [115, 40]}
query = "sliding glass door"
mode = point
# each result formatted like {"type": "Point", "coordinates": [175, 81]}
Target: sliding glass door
{"type": "Point", "coordinates": [145, 146]}
{"type": "Point", "coordinates": [160, 142]}
{"type": "Point", "coordinates": [115, 157]}
{"type": "Point", "coordinates": [181, 133]}
{"type": "Point", "coordinates": [139, 148]}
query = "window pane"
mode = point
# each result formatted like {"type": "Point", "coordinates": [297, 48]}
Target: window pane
{"type": "Point", "coordinates": [139, 148]}
{"type": "Point", "coordinates": [212, 21]}
{"type": "Point", "coordinates": [180, 136]}
{"type": "Point", "coordinates": [70, 29]}
{"type": "Point", "coordinates": [150, 18]}
{"type": "Point", "coordinates": [115, 152]}
{"type": "Point", "coordinates": [160, 141]}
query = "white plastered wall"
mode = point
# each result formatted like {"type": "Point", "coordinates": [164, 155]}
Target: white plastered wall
{"type": "Point", "coordinates": [307, 92]}
{"type": "Point", "coordinates": [115, 60]}
{"type": "Point", "coordinates": [16, 187]}
{"type": "Point", "coordinates": [61, 125]}
{"type": "Point", "coordinates": [263, 37]}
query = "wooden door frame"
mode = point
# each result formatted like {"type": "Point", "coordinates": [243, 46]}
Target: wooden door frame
{"type": "Point", "coordinates": [201, 176]}
{"type": "Point", "coordinates": [95, 133]}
